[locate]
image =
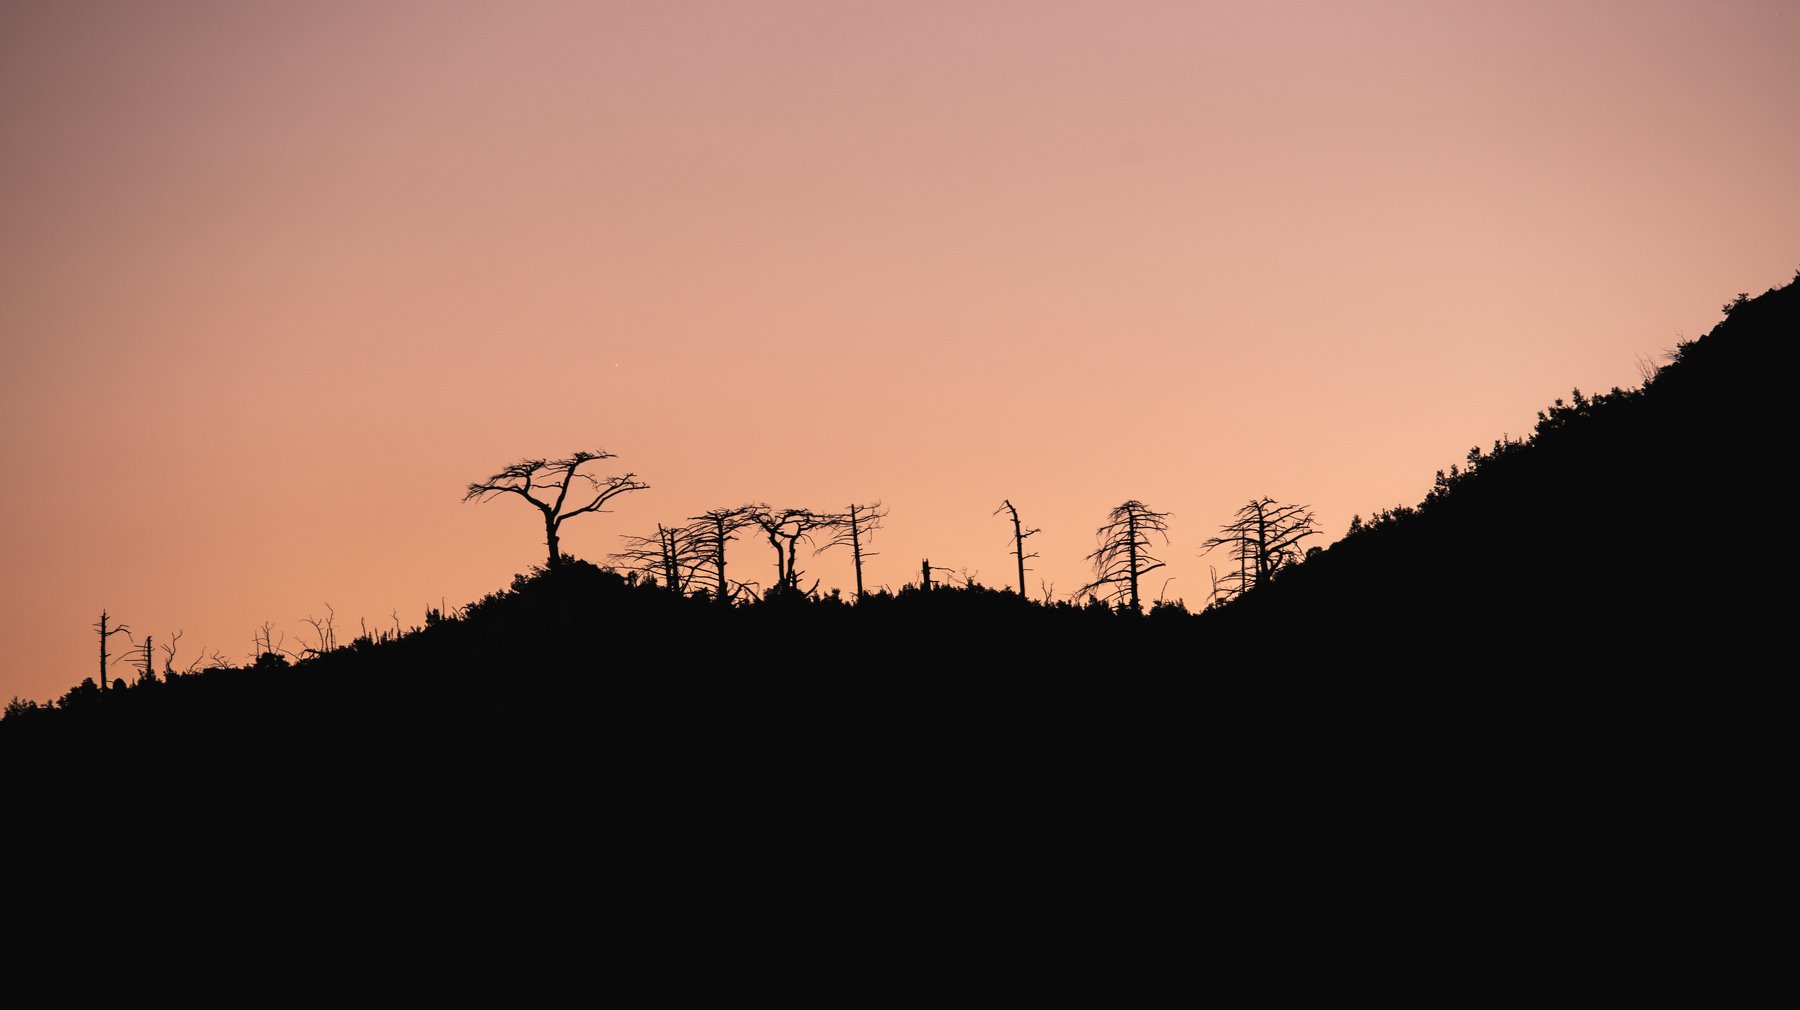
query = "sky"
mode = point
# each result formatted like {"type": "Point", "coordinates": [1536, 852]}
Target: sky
{"type": "Point", "coordinates": [278, 280]}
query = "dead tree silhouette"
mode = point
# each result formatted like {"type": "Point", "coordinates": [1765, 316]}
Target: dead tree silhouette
{"type": "Point", "coordinates": [674, 556]}
{"type": "Point", "coordinates": [1123, 556]}
{"type": "Point", "coordinates": [859, 524]}
{"type": "Point", "coordinates": [147, 656]}
{"type": "Point", "coordinates": [324, 628]}
{"type": "Point", "coordinates": [786, 528]}
{"type": "Point", "coordinates": [556, 476]}
{"type": "Point", "coordinates": [106, 633]}
{"type": "Point", "coordinates": [1020, 534]}
{"type": "Point", "coordinates": [168, 651]}
{"type": "Point", "coordinates": [714, 529]}
{"type": "Point", "coordinates": [926, 582]}
{"type": "Point", "coordinates": [1264, 537]}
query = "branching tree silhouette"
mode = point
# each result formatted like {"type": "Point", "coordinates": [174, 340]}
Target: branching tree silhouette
{"type": "Point", "coordinates": [713, 530]}
{"type": "Point", "coordinates": [786, 528]}
{"type": "Point", "coordinates": [146, 657]}
{"type": "Point", "coordinates": [1123, 556]}
{"type": "Point", "coordinates": [555, 478]}
{"type": "Point", "coordinates": [926, 582]}
{"type": "Point", "coordinates": [323, 628]}
{"type": "Point", "coordinates": [140, 656]}
{"type": "Point", "coordinates": [858, 525]}
{"type": "Point", "coordinates": [1020, 533]}
{"type": "Point", "coordinates": [168, 651]}
{"type": "Point", "coordinates": [1264, 537]}
{"type": "Point", "coordinates": [106, 633]}
{"type": "Point", "coordinates": [267, 645]}
{"type": "Point", "coordinates": [674, 556]}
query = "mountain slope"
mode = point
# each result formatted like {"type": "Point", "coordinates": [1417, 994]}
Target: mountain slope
{"type": "Point", "coordinates": [1392, 728]}
{"type": "Point", "coordinates": [1635, 525]}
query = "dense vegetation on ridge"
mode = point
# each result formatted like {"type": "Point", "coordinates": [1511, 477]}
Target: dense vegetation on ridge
{"type": "Point", "coordinates": [1632, 525]}
{"type": "Point", "coordinates": [1618, 508]}
{"type": "Point", "coordinates": [505, 745]}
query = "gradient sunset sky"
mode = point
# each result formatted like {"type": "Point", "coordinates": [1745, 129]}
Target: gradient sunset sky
{"type": "Point", "coordinates": [280, 279]}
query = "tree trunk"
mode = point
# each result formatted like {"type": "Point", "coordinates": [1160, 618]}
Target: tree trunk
{"type": "Point", "coordinates": [724, 587]}
{"type": "Point", "coordinates": [671, 566]}
{"type": "Point", "coordinates": [1018, 545]}
{"type": "Point", "coordinates": [856, 552]}
{"type": "Point", "coordinates": [1130, 555]}
{"type": "Point", "coordinates": [1262, 545]}
{"type": "Point", "coordinates": [551, 541]}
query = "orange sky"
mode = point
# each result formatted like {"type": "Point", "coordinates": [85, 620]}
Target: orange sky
{"type": "Point", "coordinates": [280, 279]}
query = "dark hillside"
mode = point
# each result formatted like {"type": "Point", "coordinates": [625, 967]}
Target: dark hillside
{"type": "Point", "coordinates": [1633, 526]}
{"type": "Point", "coordinates": [1390, 731]}
{"type": "Point", "coordinates": [584, 740]}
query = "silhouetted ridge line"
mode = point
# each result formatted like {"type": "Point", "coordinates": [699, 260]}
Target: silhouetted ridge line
{"type": "Point", "coordinates": [1614, 533]}
{"type": "Point", "coordinates": [1569, 629]}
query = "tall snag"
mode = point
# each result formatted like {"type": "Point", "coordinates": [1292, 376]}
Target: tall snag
{"type": "Point", "coordinates": [1020, 533]}
{"type": "Point", "coordinates": [1123, 556]}
{"type": "Point", "coordinates": [857, 527]}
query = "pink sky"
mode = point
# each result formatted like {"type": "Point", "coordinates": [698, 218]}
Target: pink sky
{"type": "Point", "coordinates": [280, 279]}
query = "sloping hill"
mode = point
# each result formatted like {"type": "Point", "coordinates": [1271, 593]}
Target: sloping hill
{"type": "Point", "coordinates": [1633, 526]}
{"type": "Point", "coordinates": [965, 766]}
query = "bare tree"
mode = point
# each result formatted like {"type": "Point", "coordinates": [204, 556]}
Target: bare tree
{"type": "Point", "coordinates": [786, 528]}
{"type": "Point", "coordinates": [926, 582]}
{"type": "Point", "coordinates": [673, 556]}
{"type": "Point", "coordinates": [106, 633]}
{"type": "Point", "coordinates": [1020, 533]}
{"type": "Point", "coordinates": [148, 658]}
{"type": "Point", "coordinates": [324, 628]}
{"type": "Point", "coordinates": [714, 529]}
{"type": "Point", "coordinates": [142, 656]}
{"type": "Point", "coordinates": [859, 524]}
{"type": "Point", "coordinates": [1264, 536]}
{"type": "Point", "coordinates": [266, 644]}
{"type": "Point", "coordinates": [169, 654]}
{"type": "Point", "coordinates": [555, 477]}
{"type": "Point", "coordinates": [1123, 556]}
{"type": "Point", "coordinates": [168, 651]}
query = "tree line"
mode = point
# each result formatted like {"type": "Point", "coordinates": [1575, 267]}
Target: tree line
{"type": "Point", "coordinates": [1263, 539]}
